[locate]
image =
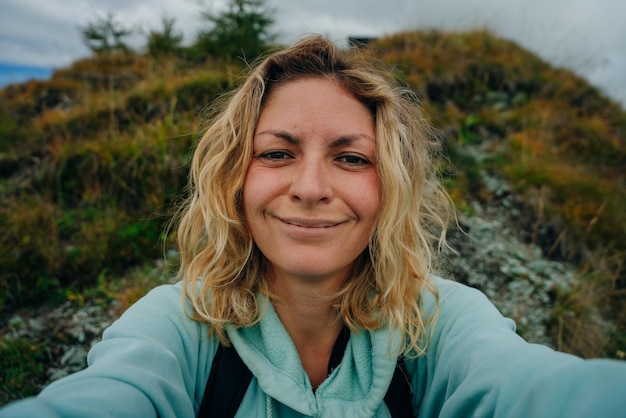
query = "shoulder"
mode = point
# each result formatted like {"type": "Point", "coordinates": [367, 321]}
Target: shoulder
{"type": "Point", "coordinates": [161, 303]}
{"type": "Point", "coordinates": [467, 323]}
{"type": "Point", "coordinates": [451, 299]}
{"type": "Point", "coordinates": [447, 287]}
{"type": "Point", "coordinates": [163, 316]}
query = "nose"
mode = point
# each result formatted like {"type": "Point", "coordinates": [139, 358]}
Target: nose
{"type": "Point", "coordinates": [311, 182]}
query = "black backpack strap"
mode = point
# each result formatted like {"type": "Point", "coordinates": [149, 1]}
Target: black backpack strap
{"type": "Point", "coordinates": [228, 381]}
{"type": "Point", "coordinates": [399, 396]}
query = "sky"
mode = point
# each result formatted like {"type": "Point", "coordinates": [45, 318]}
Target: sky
{"type": "Point", "coordinates": [586, 36]}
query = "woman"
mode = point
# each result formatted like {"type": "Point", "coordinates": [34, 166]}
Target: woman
{"type": "Point", "coordinates": [308, 244]}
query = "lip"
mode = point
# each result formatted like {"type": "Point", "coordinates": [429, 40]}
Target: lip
{"type": "Point", "coordinates": [313, 223]}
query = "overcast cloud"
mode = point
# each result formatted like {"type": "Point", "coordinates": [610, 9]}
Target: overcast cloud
{"type": "Point", "coordinates": [588, 36]}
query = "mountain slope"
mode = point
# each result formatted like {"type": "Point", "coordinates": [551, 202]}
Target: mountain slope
{"type": "Point", "coordinates": [93, 162]}
{"type": "Point", "coordinates": [558, 145]}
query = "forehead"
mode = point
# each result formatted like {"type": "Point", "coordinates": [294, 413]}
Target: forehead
{"type": "Point", "coordinates": [321, 101]}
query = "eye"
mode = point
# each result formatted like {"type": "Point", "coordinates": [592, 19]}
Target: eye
{"type": "Point", "coordinates": [275, 155]}
{"type": "Point", "coordinates": [353, 160]}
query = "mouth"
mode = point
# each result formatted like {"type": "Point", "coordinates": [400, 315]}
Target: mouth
{"type": "Point", "coordinates": [309, 222]}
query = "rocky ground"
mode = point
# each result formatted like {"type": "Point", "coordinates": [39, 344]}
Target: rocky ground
{"type": "Point", "coordinates": [69, 330]}
{"type": "Point", "coordinates": [496, 256]}
{"type": "Point", "coordinates": [493, 256]}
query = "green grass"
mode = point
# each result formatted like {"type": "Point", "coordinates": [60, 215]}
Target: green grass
{"type": "Point", "coordinates": [21, 368]}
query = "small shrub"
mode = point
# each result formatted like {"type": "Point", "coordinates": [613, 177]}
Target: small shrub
{"type": "Point", "coordinates": [196, 94]}
{"type": "Point", "coordinates": [29, 255]}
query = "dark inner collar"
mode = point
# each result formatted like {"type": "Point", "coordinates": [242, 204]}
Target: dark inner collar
{"type": "Point", "coordinates": [338, 349]}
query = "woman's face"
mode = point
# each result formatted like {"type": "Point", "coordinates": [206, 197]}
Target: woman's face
{"type": "Point", "coordinates": [311, 193]}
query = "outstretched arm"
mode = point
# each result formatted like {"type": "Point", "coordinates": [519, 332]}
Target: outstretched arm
{"type": "Point", "coordinates": [476, 365]}
{"type": "Point", "coordinates": [152, 362]}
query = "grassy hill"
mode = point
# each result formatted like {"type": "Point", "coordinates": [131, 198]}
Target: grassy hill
{"type": "Point", "coordinates": [558, 141]}
{"type": "Point", "coordinates": [93, 161]}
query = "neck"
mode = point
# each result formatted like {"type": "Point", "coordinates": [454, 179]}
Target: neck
{"type": "Point", "coordinates": [306, 310]}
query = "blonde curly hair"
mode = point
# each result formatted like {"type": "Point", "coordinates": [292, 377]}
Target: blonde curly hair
{"type": "Point", "coordinates": [222, 270]}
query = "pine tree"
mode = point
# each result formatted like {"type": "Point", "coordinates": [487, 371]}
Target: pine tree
{"type": "Point", "coordinates": [242, 31]}
{"type": "Point", "coordinates": [105, 35]}
{"type": "Point", "coordinates": [168, 41]}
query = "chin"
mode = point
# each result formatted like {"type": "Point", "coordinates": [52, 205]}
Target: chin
{"type": "Point", "coordinates": [311, 272]}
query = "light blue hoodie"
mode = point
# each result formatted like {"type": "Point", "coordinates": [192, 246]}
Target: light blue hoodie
{"type": "Point", "coordinates": [155, 361]}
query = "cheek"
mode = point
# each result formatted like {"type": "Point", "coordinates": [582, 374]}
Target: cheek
{"type": "Point", "coordinates": [258, 189]}
{"type": "Point", "coordinates": [370, 195]}
{"type": "Point", "coordinates": [248, 195]}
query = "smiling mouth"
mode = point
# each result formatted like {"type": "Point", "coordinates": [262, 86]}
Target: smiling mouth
{"type": "Point", "coordinates": [309, 223]}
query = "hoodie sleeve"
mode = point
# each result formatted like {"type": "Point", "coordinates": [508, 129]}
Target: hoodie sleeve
{"type": "Point", "coordinates": [151, 362]}
{"type": "Point", "coordinates": [477, 366]}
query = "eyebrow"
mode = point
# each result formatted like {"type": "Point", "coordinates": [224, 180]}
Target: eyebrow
{"type": "Point", "coordinates": [345, 140]}
{"type": "Point", "coordinates": [286, 136]}
{"type": "Point", "coordinates": [341, 141]}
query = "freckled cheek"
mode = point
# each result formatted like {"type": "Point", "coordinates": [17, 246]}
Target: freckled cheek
{"type": "Point", "coordinates": [258, 191]}
{"type": "Point", "coordinates": [367, 197]}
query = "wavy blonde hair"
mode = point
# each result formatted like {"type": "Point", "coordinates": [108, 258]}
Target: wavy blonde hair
{"type": "Point", "coordinates": [222, 269]}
